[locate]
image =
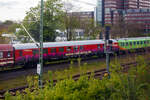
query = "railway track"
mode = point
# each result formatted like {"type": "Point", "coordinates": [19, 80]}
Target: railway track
{"type": "Point", "coordinates": [99, 74]}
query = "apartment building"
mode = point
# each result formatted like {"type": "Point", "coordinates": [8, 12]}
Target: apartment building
{"type": "Point", "coordinates": [128, 10]}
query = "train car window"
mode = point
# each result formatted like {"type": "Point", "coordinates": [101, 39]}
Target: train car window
{"type": "Point", "coordinates": [61, 49]}
{"type": "Point", "coordinates": [8, 54]}
{"type": "Point", "coordinates": [20, 53]}
{"type": "Point", "coordinates": [110, 41]}
{"type": "Point", "coordinates": [144, 42]}
{"type": "Point", "coordinates": [127, 44]}
{"type": "Point", "coordinates": [134, 43]}
{"type": "Point", "coordinates": [138, 43]}
{"type": "Point", "coordinates": [68, 49]}
{"type": "Point", "coordinates": [1, 54]}
{"type": "Point", "coordinates": [75, 48]}
{"type": "Point", "coordinates": [45, 51]}
{"type": "Point", "coordinates": [53, 50]}
{"type": "Point", "coordinates": [131, 43]}
{"type": "Point", "coordinates": [98, 46]}
{"type": "Point", "coordinates": [81, 47]}
{"type": "Point", "coordinates": [122, 44]}
{"type": "Point", "coordinates": [35, 52]}
{"type": "Point", "coordinates": [141, 42]}
{"type": "Point", "coordinates": [147, 42]}
{"type": "Point", "coordinates": [103, 45]}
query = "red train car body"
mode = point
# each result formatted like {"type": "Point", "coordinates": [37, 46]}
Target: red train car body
{"type": "Point", "coordinates": [6, 55]}
{"type": "Point", "coordinates": [28, 53]}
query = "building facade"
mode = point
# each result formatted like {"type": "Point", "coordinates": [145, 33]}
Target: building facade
{"type": "Point", "coordinates": [140, 16]}
{"type": "Point", "coordinates": [128, 10]}
{"type": "Point", "coordinates": [83, 15]}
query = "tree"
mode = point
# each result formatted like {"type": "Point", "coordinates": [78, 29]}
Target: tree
{"type": "Point", "coordinates": [8, 22]}
{"type": "Point", "coordinates": [91, 28]}
{"type": "Point", "coordinates": [73, 20]}
{"type": "Point", "coordinates": [52, 20]}
{"type": "Point", "coordinates": [70, 21]}
{"type": "Point", "coordinates": [8, 27]}
{"type": "Point", "coordinates": [122, 29]}
{"type": "Point", "coordinates": [12, 28]}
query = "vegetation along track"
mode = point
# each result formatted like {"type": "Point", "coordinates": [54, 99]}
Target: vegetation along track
{"type": "Point", "coordinates": [97, 74]}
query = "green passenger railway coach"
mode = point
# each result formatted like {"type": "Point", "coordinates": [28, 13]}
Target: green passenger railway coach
{"type": "Point", "coordinates": [133, 43]}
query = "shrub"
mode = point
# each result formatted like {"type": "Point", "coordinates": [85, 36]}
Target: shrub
{"type": "Point", "coordinates": [134, 85]}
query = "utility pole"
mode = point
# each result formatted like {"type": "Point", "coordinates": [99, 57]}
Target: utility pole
{"type": "Point", "coordinates": [40, 66]}
{"type": "Point", "coordinates": [107, 29]}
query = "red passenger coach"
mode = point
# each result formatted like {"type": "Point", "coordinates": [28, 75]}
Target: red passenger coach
{"type": "Point", "coordinates": [6, 55]}
{"type": "Point", "coordinates": [25, 53]}
{"type": "Point", "coordinates": [28, 53]}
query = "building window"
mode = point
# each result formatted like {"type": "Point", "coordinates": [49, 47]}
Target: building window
{"type": "Point", "coordinates": [53, 50]}
{"type": "Point", "coordinates": [1, 54]}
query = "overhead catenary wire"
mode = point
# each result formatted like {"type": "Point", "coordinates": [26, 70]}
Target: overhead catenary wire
{"type": "Point", "coordinates": [30, 35]}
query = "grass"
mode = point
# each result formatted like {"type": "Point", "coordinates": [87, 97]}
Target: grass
{"type": "Point", "coordinates": [22, 80]}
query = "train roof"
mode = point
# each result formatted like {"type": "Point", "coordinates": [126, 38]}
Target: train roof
{"type": "Point", "coordinates": [6, 47]}
{"type": "Point", "coordinates": [137, 38]}
{"type": "Point", "coordinates": [57, 44]}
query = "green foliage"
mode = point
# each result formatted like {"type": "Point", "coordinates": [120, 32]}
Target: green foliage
{"type": "Point", "coordinates": [134, 85]}
{"type": "Point", "coordinates": [8, 22]}
{"type": "Point", "coordinates": [12, 28]}
{"type": "Point", "coordinates": [52, 20]}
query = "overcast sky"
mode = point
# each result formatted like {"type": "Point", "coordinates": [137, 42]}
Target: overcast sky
{"type": "Point", "coordinates": [16, 9]}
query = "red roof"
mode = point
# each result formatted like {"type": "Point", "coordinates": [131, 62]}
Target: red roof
{"type": "Point", "coordinates": [6, 47]}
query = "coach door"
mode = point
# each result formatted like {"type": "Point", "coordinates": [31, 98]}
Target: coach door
{"type": "Point", "coordinates": [1, 54]}
{"type": "Point", "coordinates": [1, 58]}
{"type": "Point", "coordinates": [8, 57]}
